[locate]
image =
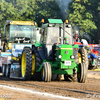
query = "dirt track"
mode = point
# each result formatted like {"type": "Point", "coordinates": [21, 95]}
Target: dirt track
{"type": "Point", "coordinates": [89, 89]}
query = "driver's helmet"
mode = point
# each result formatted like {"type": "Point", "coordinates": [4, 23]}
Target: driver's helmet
{"type": "Point", "coordinates": [76, 32]}
{"type": "Point", "coordinates": [84, 42]}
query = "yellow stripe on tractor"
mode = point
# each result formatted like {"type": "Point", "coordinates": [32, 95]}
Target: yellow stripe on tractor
{"type": "Point", "coordinates": [23, 65]}
{"type": "Point", "coordinates": [33, 64]}
{"type": "Point", "coordinates": [21, 22]}
{"type": "Point", "coordinates": [80, 59]}
{"type": "Point", "coordinates": [64, 49]}
{"type": "Point", "coordinates": [16, 59]}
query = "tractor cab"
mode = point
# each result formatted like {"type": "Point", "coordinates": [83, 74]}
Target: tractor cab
{"type": "Point", "coordinates": [20, 32]}
{"type": "Point", "coordinates": [55, 33]}
{"type": "Point", "coordinates": [50, 35]}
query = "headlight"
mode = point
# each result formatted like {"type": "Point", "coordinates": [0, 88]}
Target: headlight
{"type": "Point", "coordinates": [72, 57]}
{"type": "Point", "coordinates": [60, 56]}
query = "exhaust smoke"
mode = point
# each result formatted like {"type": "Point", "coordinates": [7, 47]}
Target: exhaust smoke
{"type": "Point", "coordinates": [63, 5]}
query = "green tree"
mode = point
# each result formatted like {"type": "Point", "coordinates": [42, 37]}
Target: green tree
{"type": "Point", "coordinates": [41, 9]}
{"type": "Point", "coordinates": [28, 10]}
{"type": "Point", "coordinates": [82, 14]}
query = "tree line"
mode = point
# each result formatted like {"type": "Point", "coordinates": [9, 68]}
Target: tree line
{"type": "Point", "coordinates": [84, 14]}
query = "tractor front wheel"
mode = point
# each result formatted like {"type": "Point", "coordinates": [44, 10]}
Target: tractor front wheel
{"type": "Point", "coordinates": [46, 72]}
{"type": "Point", "coordinates": [82, 73]}
{"type": "Point", "coordinates": [26, 63]}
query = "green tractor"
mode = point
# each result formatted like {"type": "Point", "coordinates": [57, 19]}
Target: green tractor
{"type": "Point", "coordinates": [56, 54]}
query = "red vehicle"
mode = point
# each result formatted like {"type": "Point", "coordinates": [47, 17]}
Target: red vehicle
{"type": "Point", "coordinates": [93, 53]}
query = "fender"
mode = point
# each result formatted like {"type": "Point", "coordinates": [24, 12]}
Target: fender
{"type": "Point", "coordinates": [41, 52]}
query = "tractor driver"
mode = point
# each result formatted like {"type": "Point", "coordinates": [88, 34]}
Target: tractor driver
{"type": "Point", "coordinates": [76, 35]}
{"type": "Point", "coordinates": [19, 33]}
{"type": "Point", "coordinates": [54, 39]}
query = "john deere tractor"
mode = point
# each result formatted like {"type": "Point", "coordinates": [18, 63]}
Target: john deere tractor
{"type": "Point", "coordinates": [56, 54]}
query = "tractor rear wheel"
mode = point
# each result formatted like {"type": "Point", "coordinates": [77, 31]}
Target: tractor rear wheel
{"type": "Point", "coordinates": [26, 63]}
{"type": "Point", "coordinates": [46, 72]}
{"type": "Point", "coordinates": [82, 73]}
{"type": "Point", "coordinates": [72, 78]}
{"type": "Point", "coordinates": [3, 70]}
{"type": "Point", "coordinates": [77, 58]}
{"type": "Point", "coordinates": [36, 62]}
{"type": "Point", "coordinates": [54, 76]}
{"type": "Point", "coordinates": [83, 58]}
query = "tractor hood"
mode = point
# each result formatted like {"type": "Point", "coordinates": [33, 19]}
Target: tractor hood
{"type": "Point", "coordinates": [64, 52]}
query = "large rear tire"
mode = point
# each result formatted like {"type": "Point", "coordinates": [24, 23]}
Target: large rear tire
{"type": "Point", "coordinates": [77, 58]}
{"type": "Point", "coordinates": [26, 63]}
{"type": "Point", "coordinates": [72, 78]}
{"type": "Point", "coordinates": [54, 76]}
{"type": "Point", "coordinates": [36, 62]}
{"type": "Point", "coordinates": [83, 58]}
{"type": "Point", "coordinates": [46, 72]}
